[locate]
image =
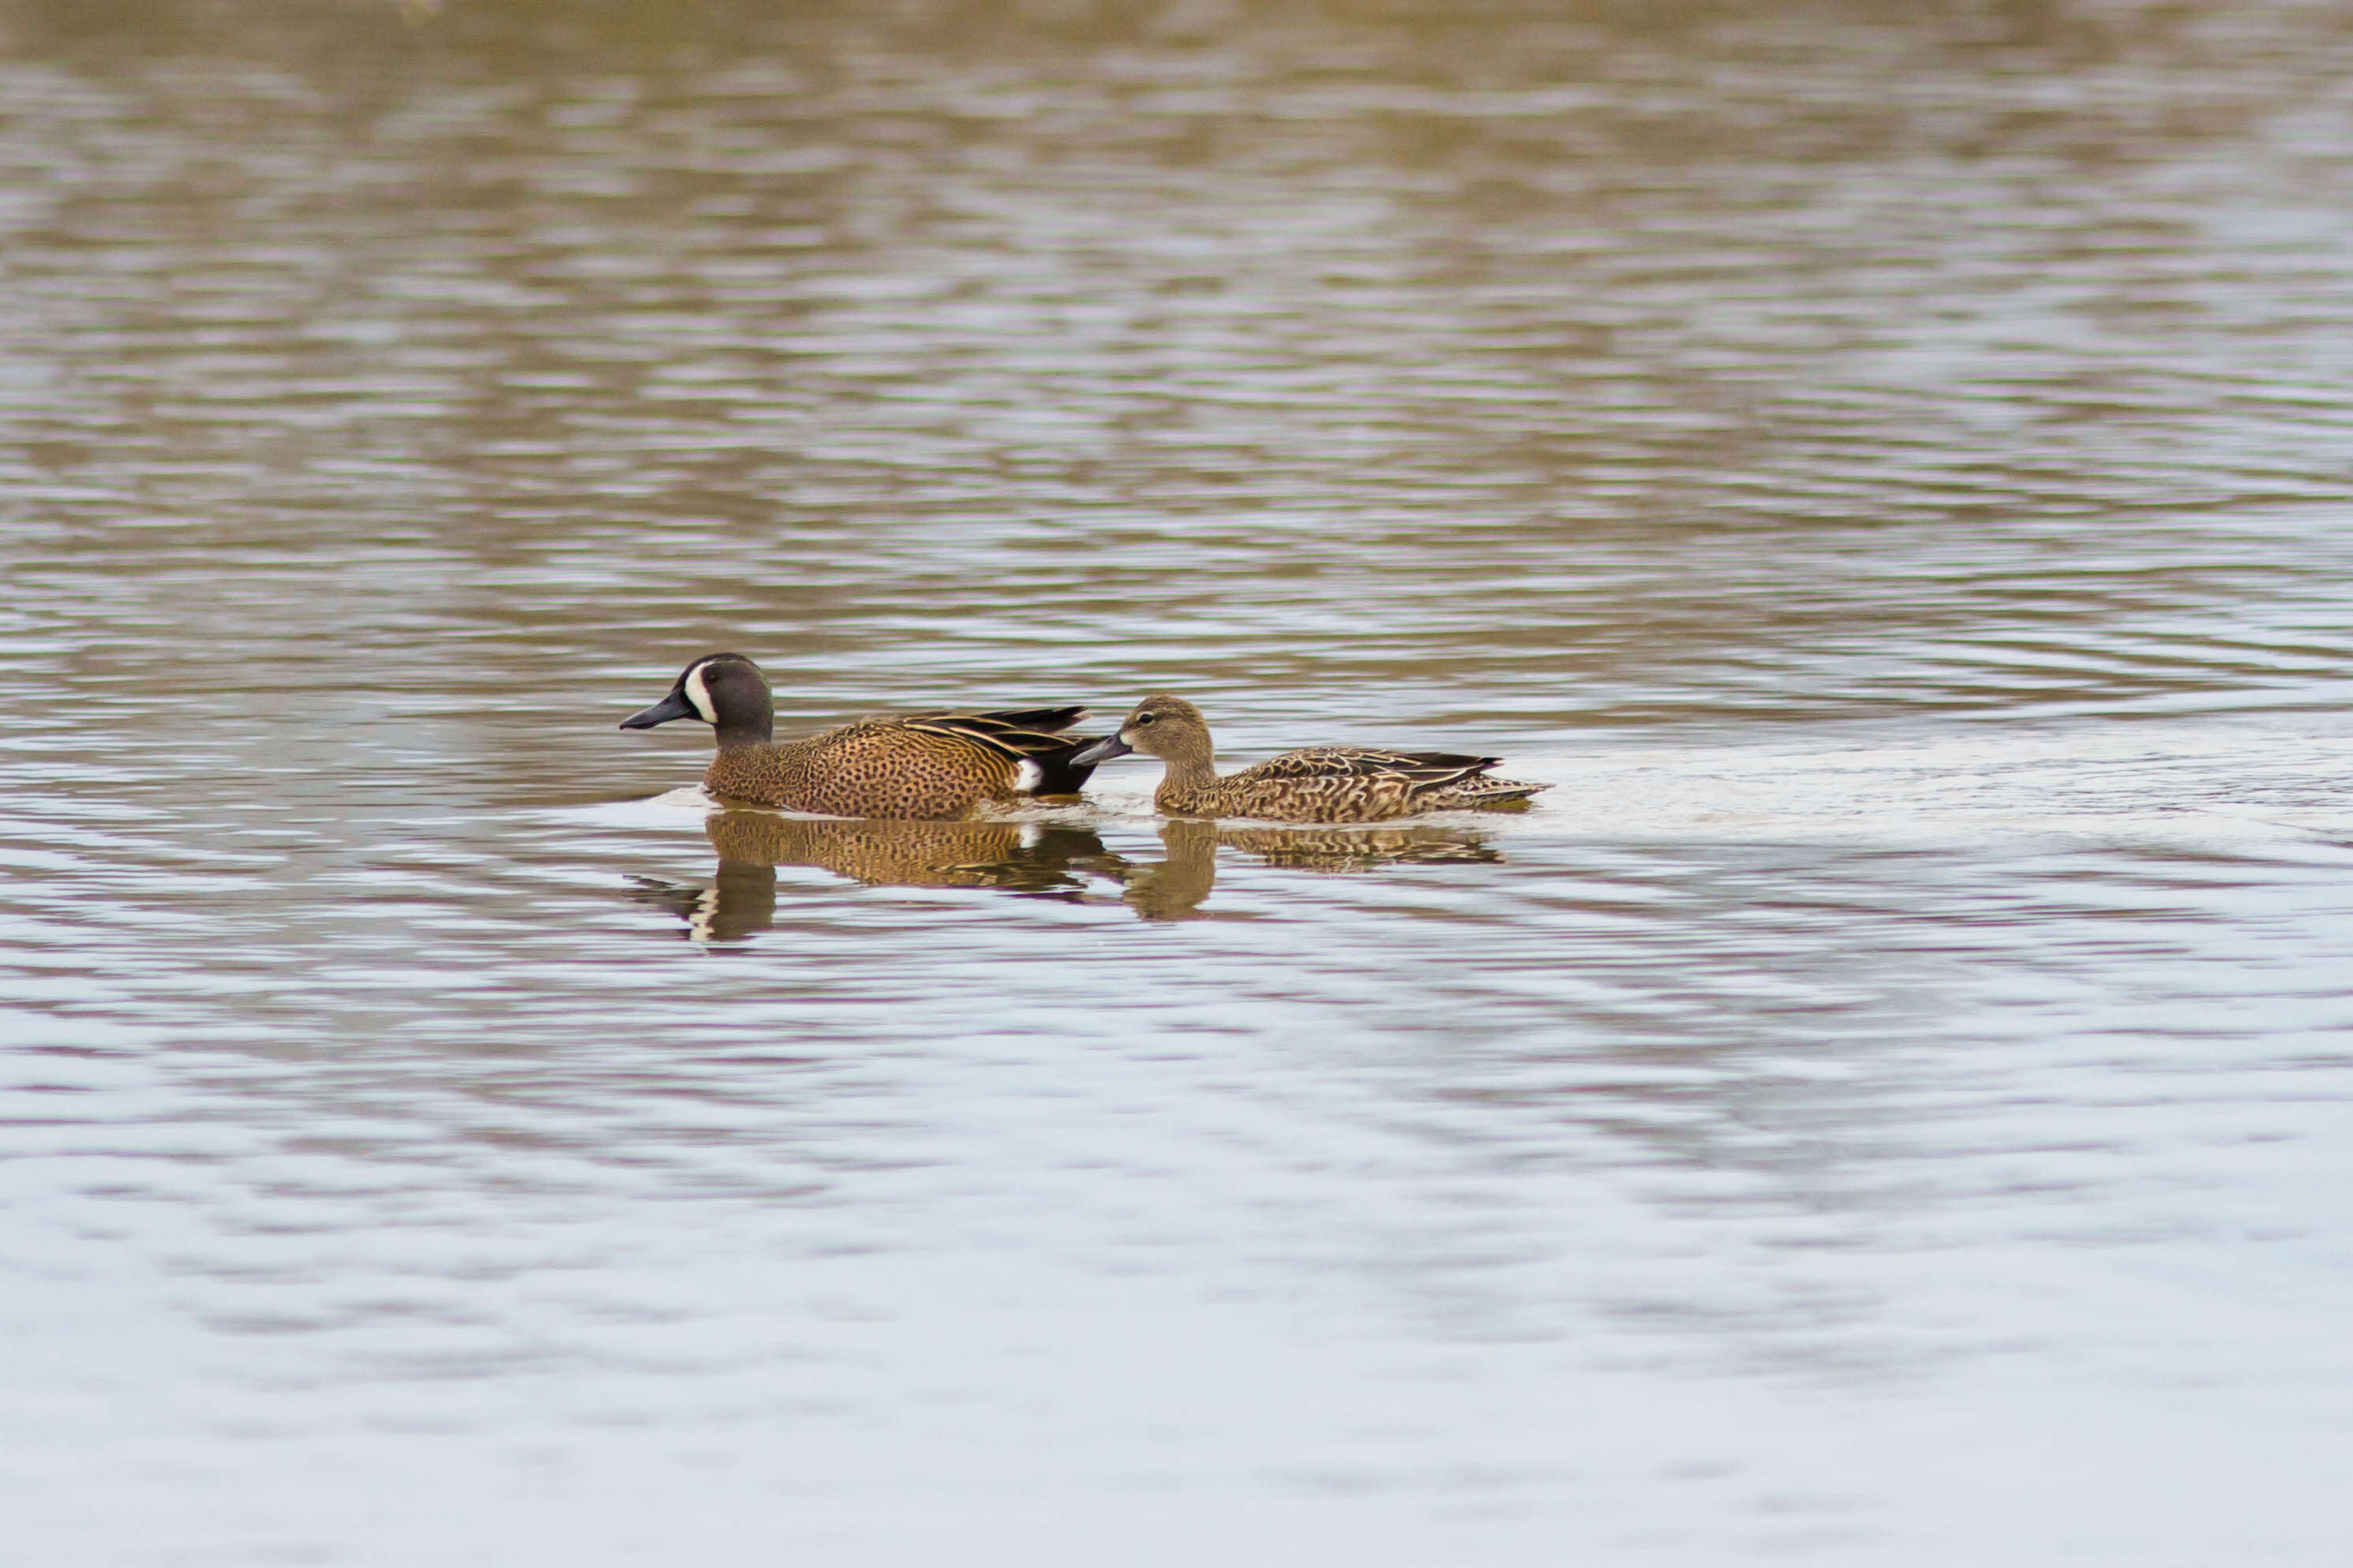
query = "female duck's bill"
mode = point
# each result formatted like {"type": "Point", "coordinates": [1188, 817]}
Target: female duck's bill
{"type": "Point", "coordinates": [1101, 749]}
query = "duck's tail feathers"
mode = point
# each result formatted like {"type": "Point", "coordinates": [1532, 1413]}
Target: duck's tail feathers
{"type": "Point", "coordinates": [1481, 792]}
{"type": "Point", "coordinates": [1055, 772]}
{"type": "Point", "coordinates": [1030, 736]}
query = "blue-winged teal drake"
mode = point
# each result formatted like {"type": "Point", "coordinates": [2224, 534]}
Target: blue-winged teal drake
{"type": "Point", "coordinates": [1321, 783]}
{"type": "Point", "coordinates": [924, 765]}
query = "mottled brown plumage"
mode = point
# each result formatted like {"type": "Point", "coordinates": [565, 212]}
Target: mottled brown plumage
{"type": "Point", "coordinates": [923, 765]}
{"type": "Point", "coordinates": [1321, 783]}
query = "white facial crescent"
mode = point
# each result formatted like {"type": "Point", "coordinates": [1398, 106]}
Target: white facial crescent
{"type": "Point", "coordinates": [699, 695]}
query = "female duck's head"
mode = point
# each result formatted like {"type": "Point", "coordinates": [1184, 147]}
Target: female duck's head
{"type": "Point", "coordinates": [725, 690]}
{"type": "Point", "coordinates": [1168, 727]}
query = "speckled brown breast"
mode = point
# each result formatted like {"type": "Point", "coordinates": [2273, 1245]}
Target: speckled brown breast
{"type": "Point", "coordinates": [875, 768]}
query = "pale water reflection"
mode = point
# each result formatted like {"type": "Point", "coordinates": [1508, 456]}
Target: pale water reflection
{"type": "Point", "coordinates": [1884, 467]}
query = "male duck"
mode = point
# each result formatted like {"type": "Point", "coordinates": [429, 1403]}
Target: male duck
{"type": "Point", "coordinates": [1321, 783]}
{"type": "Point", "coordinates": [925, 766]}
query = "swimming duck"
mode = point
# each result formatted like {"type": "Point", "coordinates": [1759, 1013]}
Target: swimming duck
{"type": "Point", "coordinates": [1320, 784]}
{"type": "Point", "coordinates": [924, 765]}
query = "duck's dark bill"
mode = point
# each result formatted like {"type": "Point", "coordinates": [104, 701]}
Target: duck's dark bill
{"type": "Point", "coordinates": [1093, 751]}
{"type": "Point", "coordinates": [674, 706]}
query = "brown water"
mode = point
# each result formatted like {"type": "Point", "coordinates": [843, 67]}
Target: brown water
{"type": "Point", "coordinates": [1888, 1103]}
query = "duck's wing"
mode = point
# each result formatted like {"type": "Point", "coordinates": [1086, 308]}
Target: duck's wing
{"type": "Point", "coordinates": [1019, 733]}
{"type": "Point", "coordinates": [1041, 756]}
{"type": "Point", "coordinates": [1419, 771]}
{"type": "Point", "coordinates": [1044, 720]}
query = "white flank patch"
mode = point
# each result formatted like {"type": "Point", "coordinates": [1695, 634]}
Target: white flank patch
{"type": "Point", "coordinates": [1026, 776]}
{"type": "Point", "coordinates": [699, 695]}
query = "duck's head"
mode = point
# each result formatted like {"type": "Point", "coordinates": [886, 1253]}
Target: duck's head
{"type": "Point", "coordinates": [1165, 727]}
{"type": "Point", "coordinates": [725, 691]}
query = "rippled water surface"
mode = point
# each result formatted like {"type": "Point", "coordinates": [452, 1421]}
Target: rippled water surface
{"type": "Point", "coordinates": [1892, 473]}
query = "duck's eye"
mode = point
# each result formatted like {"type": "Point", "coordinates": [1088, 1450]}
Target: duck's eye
{"type": "Point", "coordinates": [1145, 718]}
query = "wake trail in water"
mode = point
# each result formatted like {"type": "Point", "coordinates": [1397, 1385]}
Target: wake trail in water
{"type": "Point", "coordinates": [2225, 787]}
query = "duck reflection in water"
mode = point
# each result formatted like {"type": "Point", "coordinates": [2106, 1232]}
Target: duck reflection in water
{"type": "Point", "coordinates": [1175, 887]}
{"type": "Point", "coordinates": [1040, 859]}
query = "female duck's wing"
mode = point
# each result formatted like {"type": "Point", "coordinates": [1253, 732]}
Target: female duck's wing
{"type": "Point", "coordinates": [1420, 770]}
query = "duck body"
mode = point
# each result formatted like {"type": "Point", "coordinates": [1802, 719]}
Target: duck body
{"type": "Point", "coordinates": [1319, 783]}
{"type": "Point", "coordinates": [1346, 784]}
{"type": "Point", "coordinates": [923, 766]}
{"type": "Point", "coordinates": [929, 766]}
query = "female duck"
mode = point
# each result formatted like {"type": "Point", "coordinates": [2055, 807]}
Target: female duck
{"type": "Point", "coordinates": [1321, 783]}
{"type": "Point", "coordinates": [927, 765]}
